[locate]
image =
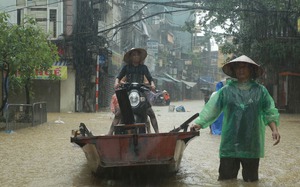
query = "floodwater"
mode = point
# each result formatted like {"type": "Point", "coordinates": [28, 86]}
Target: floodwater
{"type": "Point", "coordinates": [43, 156]}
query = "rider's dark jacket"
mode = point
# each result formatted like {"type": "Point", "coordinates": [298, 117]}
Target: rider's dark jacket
{"type": "Point", "coordinates": [135, 73]}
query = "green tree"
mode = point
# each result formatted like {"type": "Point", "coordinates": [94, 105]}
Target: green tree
{"type": "Point", "coordinates": [24, 49]}
{"type": "Point", "coordinates": [266, 30]}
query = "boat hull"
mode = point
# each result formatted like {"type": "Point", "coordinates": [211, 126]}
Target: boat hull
{"type": "Point", "coordinates": [118, 153]}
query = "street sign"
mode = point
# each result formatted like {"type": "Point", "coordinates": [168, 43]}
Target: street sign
{"type": "Point", "coordinates": [101, 59]}
{"type": "Point", "coordinates": [152, 47]}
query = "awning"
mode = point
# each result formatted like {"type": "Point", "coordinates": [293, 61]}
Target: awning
{"type": "Point", "coordinates": [205, 80]}
{"type": "Point", "coordinates": [189, 84]}
{"type": "Point", "coordinates": [162, 79]}
{"type": "Point", "coordinates": [170, 77]}
{"type": "Point", "coordinates": [62, 63]}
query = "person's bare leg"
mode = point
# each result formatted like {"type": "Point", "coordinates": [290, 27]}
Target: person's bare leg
{"type": "Point", "coordinates": [153, 119]}
{"type": "Point", "coordinates": [115, 121]}
{"type": "Point", "coordinates": [111, 129]}
{"type": "Point", "coordinates": [148, 126]}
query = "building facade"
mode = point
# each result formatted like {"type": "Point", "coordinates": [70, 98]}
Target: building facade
{"type": "Point", "coordinates": [49, 15]}
{"type": "Point", "coordinates": [93, 35]}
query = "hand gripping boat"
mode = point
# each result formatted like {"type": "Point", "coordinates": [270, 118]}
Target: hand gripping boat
{"type": "Point", "coordinates": [134, 151]}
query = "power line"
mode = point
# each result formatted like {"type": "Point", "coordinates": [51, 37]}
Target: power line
{"type": "Point", "coordinates": [188, 8]}
{"type": "Point", "coordinates": [174, 4]}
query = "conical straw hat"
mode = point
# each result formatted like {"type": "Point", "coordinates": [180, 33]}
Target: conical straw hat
{"type": "Point", "coordinates": [228, 67]}
{"type": "Point", "coordinates": [142, 52]}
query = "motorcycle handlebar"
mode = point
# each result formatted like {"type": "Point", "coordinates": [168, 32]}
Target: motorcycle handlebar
{"type": "Point", "coordinates": [142, 86]}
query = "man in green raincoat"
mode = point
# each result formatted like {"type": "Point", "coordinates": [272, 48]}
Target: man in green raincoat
{"type": "Point", "coordinates": [248, 109]}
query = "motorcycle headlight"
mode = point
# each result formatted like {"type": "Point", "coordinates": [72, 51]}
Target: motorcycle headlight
{"type": "Point", "coordinates": [134, 98]}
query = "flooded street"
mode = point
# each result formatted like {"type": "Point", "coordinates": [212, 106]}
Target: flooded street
{"type": "Point", "coordinates": [43, 155]}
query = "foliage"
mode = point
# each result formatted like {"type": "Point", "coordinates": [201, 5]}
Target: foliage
{"type": "Point", "coordinates": [24, 49]}
{"type": "Point", "coordinates": [189, 26]}
{"type": "Point", "coordinates": [196, 61]}
{"type": "Point", "coordinates": [266, 30]}
{"type": "Point", "coordinates": [198, 58]}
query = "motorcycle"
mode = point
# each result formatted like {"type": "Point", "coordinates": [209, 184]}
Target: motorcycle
{"type": "Point", "coordinates": [158, 99]}
{"type": "Point", "coordinates": [207, 93]}
{"type": "Point", "coordinates": [133, 104]}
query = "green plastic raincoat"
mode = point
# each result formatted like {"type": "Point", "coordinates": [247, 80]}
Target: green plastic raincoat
{"type": "Point", "coordinates": [247, 108]}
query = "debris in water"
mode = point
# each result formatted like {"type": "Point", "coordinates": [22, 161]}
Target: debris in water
{"type": "Point", "coordinates": [59, 121]}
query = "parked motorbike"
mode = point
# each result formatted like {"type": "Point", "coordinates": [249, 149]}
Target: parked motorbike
{"type": "Point", "coordinates": [207, 93]}
{"type": "Point", "coordinates": [158, 99]}
{"type": "Point", "coordinates": [133, 104]}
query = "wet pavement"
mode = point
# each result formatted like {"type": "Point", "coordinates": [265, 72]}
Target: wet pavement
{"type": "Point", "coordinates": [43, 155]}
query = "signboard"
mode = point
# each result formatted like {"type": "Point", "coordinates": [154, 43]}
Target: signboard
{"type": "Point", "coordinates": [59, 71]}
{"type": "Point", "coordinates": [152, 47]}
{"type": "Point", "coordinates": [101, 59]}
{"type": "Point", "coordinates": [188, 62]}
{"type": "Point", "coordinates": [170, 38]}
{"type": "Point", "coordinates": [116, 58]}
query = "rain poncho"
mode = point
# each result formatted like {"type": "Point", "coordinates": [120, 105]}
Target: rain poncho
{"type": "Point", "coordinates": [247, 108]}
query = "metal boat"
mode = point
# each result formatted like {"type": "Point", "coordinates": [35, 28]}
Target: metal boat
{"type": "Point", "coordinates": [119, 154]}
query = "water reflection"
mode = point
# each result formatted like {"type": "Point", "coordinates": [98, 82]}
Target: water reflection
{"type": "Point", "coordinates": [44, 156]}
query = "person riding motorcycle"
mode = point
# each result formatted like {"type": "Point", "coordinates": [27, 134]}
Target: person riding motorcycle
{"type": "Point", "coordinates": [135, 71]}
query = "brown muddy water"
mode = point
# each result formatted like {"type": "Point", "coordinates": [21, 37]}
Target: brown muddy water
{"type": "Point", "coordinates": [43, 156]}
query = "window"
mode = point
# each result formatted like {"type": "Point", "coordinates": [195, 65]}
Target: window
{"type": "Point", "coordinates": [53, 22]}
{"type": "Point", "coordinates": [19, 16]}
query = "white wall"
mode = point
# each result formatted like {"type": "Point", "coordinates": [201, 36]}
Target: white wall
{"type": "Point", "coordinates": [67, 92]}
